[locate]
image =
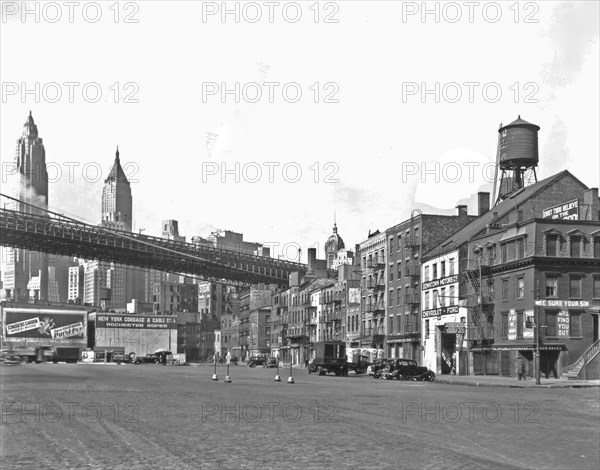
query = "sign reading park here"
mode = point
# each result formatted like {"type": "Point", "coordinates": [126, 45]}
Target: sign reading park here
{"type": "Point", "coordinates": [567, 211]}
{"type": "Point", "coordinates": [136, 321]}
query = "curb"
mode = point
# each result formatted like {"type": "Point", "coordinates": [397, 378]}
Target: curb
{"type": "Point", "coordinates": [488, 384]}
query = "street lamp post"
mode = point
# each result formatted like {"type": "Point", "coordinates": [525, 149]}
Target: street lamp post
{"type": "Point", "coordinates": [290, 379]}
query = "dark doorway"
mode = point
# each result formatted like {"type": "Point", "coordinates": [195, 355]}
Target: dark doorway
{"type": "Point", "coordinates": [594, 328]}
{"type": "Point", "coordinates": [448, 345]}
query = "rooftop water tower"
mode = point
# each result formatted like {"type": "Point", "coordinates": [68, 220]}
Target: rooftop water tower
{"type": "Point", "coordinates": [517, 157]}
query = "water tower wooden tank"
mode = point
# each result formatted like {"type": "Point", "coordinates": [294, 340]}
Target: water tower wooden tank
{"type": "Point", "coordinates": [517, 156]}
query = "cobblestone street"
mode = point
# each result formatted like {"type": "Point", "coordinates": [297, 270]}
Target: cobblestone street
{"type": "Point", "coordinates": [101, 416]}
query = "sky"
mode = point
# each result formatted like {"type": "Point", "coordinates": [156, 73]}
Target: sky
{"type": "Point", "coordinates": [269, 120]}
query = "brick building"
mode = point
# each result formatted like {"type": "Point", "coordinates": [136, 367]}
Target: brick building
{"type": "Point", "coordinates": [503, 267]}
{"type": "Point", "coordinates": [406, 242]}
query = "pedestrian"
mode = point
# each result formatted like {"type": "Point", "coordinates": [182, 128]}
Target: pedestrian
{"type": "Point", "coordinates": [520, 368]}
{"type": "Point", "coordinates": [164, 359]}
{"type": "Point", "coordinates": [306, 363]}
{"type": "Point", "coordinates": [551, 367]}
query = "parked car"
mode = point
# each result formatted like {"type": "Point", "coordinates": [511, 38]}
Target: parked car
{"type": "Point", "coordinates": [148, 359]}
{"type": "Point", "coordinates": [9, 357]}
{"type": "Point", "coordinates": [405, 369]}
{"type": "Point", "coordinates": [376, 366]}
{"type": "Point", "coordinates": [270, 362]}
{"type": "Point", "coordinates": [257, 361]}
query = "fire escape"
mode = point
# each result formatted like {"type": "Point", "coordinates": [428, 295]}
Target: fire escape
{"type": "Point", "coordinates": [481, 302]}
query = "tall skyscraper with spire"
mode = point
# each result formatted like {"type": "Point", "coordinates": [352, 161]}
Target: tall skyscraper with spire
{"type": "Point", "coordinates": [116, 199]}
{"type": "Point", "coordinates": [116, 213]}
{"type": "Point", "coordinates": [29, 184]}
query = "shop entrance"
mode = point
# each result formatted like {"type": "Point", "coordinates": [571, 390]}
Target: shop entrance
{"type": "Point", "coordinates": [448, 349]}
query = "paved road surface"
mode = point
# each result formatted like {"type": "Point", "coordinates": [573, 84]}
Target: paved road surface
{"type": "Point", "coordinates": [148, 416]}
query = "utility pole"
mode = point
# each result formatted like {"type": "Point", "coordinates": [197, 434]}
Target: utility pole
{"type": "Point", "coordinates": [537, 335]}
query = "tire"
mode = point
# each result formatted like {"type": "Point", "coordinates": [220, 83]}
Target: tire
{"type": "Point", "coordinates": [320, 371]}
{"type": "Point", "coordinates": [309, 371]}
{"type": "Point", "coordinates": [430, 377]}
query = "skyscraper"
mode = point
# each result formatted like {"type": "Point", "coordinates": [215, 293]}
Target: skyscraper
{"type": "Point", "coordinates": [116, 198]}
{"type": "Point", "coordinates": [116, 213]}
{"type": "Point", "coordinates": [30, 185]}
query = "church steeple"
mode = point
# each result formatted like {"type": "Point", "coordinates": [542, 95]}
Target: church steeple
{"type": "Point", "coordinates": [117, 156]}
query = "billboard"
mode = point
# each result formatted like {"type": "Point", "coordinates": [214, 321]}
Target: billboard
{"type": "Point", "coordinates": [156, 322]}
{"type": "Point", "coordinates": [566, 211]}
{"type": "Point", "coordinates": [44, 325]}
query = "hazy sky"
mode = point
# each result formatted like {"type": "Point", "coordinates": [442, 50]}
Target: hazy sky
{"type": "Point", "coordinates": [361, 149]}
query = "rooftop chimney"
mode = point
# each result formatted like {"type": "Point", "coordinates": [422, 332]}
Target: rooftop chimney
{"type": "Point", "coordinates": [462, 210]}
{"type": "Point", "coordinates": [483, 203]}
{"type": "Point", "coordinates": [312, 259]}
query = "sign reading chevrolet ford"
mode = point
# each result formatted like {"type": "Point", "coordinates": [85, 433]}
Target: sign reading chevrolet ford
{"type": "Point", "coordinates": [436, 312]}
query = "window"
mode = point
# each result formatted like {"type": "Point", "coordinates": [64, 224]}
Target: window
{"type": "Point", "coordinates": [399, 242]}
{"type": "Point", "coordinates": [575, 247]}
{"type": "Point", "coordinates": [452, 294]}
{"type": "Point", "coordinates": [520, 287]}
{"type": "Point", "coordinates": [426, 307]}
{"type": "Point", "coordinates": [426, 273]}
{"type": "Point", "coordinates": [551, 286]}
{"type": "Point", "coordinates": [434, 276]}
{"type": "Point", "coordinates": [399, 270]}
{"type": "Point", "coordinates": [436, 299]}
{"type": "Point", "coordinates": [391, 298]}
{"type": "Point", "coordinates": [399, 296]}
{"type": "Point", "coordinates": [552, 245]}
{"type": "Point", "coordinates": [520, 248]}
{"type": "Point", "coordinates": [490, 255]}
{"type": "Point", "coordinates": [520, 324]}
{"type": "Point", "coordinates": [504, 289]}
{"type": "Point", "coordinates": [451, 266]}
{"type": "Point", "coordinates": [596, 288]}
{"type": "Point", "coordinates": [426, 329]}
{"type": "Point", "coordinates": [551, 325]}
{"type": "Point", "coordinates": [575, 288]}
{"type": "Point", "coordinates": [504, 325]}
{"type": "Point", "coordinates": [443, 296]}
{"type": "Point", "coordinates": [391, 244]}
{"type": "Point", "coordinates": [575, 324]}
{"type": "Point", "coordinates": [597, 247]}
{"type": "Point", "coordinates": [443, 269]}
{"type": "Point", "coordinates": [391, 273]}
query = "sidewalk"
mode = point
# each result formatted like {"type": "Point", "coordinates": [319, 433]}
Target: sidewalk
{"type": "Point", "coordinates": [512, 382]}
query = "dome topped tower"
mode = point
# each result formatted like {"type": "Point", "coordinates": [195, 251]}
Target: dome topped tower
{"type": "Point", "coordinates": [333, 244]}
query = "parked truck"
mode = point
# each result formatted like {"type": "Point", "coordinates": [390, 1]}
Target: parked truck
{"type": "Point", "coordinates": [331, 357]}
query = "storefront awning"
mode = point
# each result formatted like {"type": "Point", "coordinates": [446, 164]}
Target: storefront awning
{"type": "Point", "coordinates": [519, 346]}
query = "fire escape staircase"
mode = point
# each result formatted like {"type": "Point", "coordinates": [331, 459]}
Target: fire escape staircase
{"type": "Point", "coordinates": [474, 278]}
{"type": "Point", "coordinates": [573, 371]}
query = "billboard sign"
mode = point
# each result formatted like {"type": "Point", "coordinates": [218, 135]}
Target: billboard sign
{"type": "Point", "coordinates": [567, 211]}
{"type": "Point", "coordinates": [21, 326]}
{"type": "Point", "coordinates": [44, 325]}
{"type": "Point", "coordinates": [436, 312]}
{"type": "Point", "coordinates": [67, 331]}
{"type": "Point", "coordinates": [156, 322]}
{"type": "Point", "coordinates": [440, 282]}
